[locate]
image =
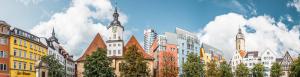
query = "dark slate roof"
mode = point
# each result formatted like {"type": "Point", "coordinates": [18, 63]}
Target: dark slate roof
{"type": "Point", "coordinates": [254, 53]}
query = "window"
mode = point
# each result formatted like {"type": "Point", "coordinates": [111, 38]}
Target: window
{"type": "Point", "coordinates": [3, 40]}
{"type": "Point", "coordinates": [20, 53]}
{"type": "Point", "coordinates": [25, 45]}
{"type": "Point", "coordinates": [3, 67]}
{"type": "Point", "coordinates": [31, 45]}
{"type": "Point", "coordinates": [20, 41]}
{"type": "Point", "coordinates": [24, 65]}
{"type": "Point", "coordinates": [109, 52]}
{"type": "Point", "coordinates": [20, 65]}
{"type": "Point", "coordinates": [115, 36]}
{"type": "Point", "coordinates": [25, 54]}
{"type": "Point", "coordinates": [15, 65]}
{"type": "Point", "coordinates": [15, 40]}
{"type": "Point", "coordinates": [114, 52]}
{"type": "Point", "coordinates": [2, 54]}
{"type": "Point", "coordinates": [119, 51]}
{"type": "Point", "coordinates": [30, 55]}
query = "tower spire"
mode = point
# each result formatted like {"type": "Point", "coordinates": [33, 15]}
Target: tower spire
{"type": "Point", "coordinates": [116, 14]}
{"type": "Point", "coordinates": [53, 32]}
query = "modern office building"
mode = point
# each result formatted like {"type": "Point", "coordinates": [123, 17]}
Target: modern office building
{"type": "Point", "coordinates": [186, 42]}
{"type": "Point", "coordinates": [149, 36]}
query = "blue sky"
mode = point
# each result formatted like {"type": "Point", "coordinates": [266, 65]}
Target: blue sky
{"type": "Point", "coordinates": [38, 17]}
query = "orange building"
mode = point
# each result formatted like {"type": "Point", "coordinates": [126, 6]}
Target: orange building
{"type": "Point", "coordinates": [4, 49]}
{"type": "Point", "coordinates": [166, 56]}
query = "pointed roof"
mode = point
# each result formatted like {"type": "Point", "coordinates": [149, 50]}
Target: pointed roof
{"type": "Point", "coordinates": [133, 41]}
{"type": "Point", "coordinates": [242, 53]}
{"type": "Point", "coordinates": [96, 43]}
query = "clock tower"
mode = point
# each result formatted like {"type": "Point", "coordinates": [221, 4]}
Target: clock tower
{"type": "Point", "coordinates": [240, 41]}
{"type": "Point", "coordinates": [115, 40]}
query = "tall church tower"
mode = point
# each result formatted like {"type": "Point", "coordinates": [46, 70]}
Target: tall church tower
{"type": "Point", "coordinates": [115, 40]}
{"type": "Point", "coordinates": [240, 41]}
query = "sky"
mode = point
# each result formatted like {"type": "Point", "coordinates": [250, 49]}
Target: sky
{"type": "Point", "coordinates": [266, 24]}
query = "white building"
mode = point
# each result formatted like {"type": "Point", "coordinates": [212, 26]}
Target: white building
{"type": "Point", "coordinates": [267, 58]}
{"type": "Point", "coordinates": [60, 54]}
{"type": "Point", "coordinates": [251, 59]}
{"type": "Point", "coordinates": [240, 52]}
{"type": "Point", "coordinates": [149, 36]}
{"type": "Point", "coordinates": [115, 41]}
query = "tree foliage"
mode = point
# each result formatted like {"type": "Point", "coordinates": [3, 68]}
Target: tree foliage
{"type": "Point", "coordinates": [241, 71]}
{"type": "Point", "coordinates": [169, 64]}
{"type": "Point", "coordinates": [258, 70]}
{"type": "Point", "coordinates": [97, 65]}
{"type": "Point", "coordinates": [212, 70]}
{"type": "Point", "coordinates": [193, 66]}
{"type": "Point", "coordinates": [134, 65]}
{"type": "Point", "coordinates": [295, 68]}
{"type": "Point", "coordinates": [225, 70]}
{"type": "Point", "coordinates": [276, 70]}
{"type": "Point", "coordinates": [55, 69]}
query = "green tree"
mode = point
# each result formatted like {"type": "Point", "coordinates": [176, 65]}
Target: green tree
{"type": "Point", "coordinates": [295, 68]}
{"type": "Point", "coordinates": [225, 70]}
{"type": "Point", "coordinates": [276, 70]}
{"type": "Point", "coordinates": [212, 69]}
{"type": "Point", "coordinates": [258, 70]}
{"type": "Point", "coordinates": [55, 69]}
{"type": "Point", "coordinates": [98, 65]}
{"type": "Point", "coordinates": [193, 66]}
{"type": "Point", "coordinates": [242, 71]}
{"type": "Point", "coordinates": [134, 65]}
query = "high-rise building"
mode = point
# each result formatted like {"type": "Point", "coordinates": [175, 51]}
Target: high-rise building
{"type": "Point", "coordinates": [26, 51]}
{"type": "Point", "coordinates": [149, 36]}
{"type": "Point", "coordinates": [4, 49]}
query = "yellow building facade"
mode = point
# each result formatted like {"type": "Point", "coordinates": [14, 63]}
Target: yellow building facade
{"type": "Point", "coordinates": [25, 50]}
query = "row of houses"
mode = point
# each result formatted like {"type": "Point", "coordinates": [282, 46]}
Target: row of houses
{"type": "Point", "coordinates": [21, 53]}
{"type": "Point", "coordinates": [266, 57]}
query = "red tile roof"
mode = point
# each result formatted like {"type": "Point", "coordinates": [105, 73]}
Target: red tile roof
{"type": "Point", "coordinates": [243, 53]}
{"type": "Point", "coordinates": [133, 41]}
{"type": "Point", "coordinates": [96, 43]}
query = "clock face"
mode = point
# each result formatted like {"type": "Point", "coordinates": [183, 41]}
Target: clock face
{"type": "Point", "coordinates": [114, 29]}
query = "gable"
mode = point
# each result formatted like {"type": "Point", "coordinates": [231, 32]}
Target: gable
{"type": "Point", "coordinates": [96, 43]}
{"type": "Point", "coordinates": [133, 41]}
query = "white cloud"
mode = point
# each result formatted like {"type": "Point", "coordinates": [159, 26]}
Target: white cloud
{"type": "Point", "coordinates": [75, 27]}
{"type": "Point", "coordinates": [268, 34]}
{"type": "Point", "coordinates": [295, 3]}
